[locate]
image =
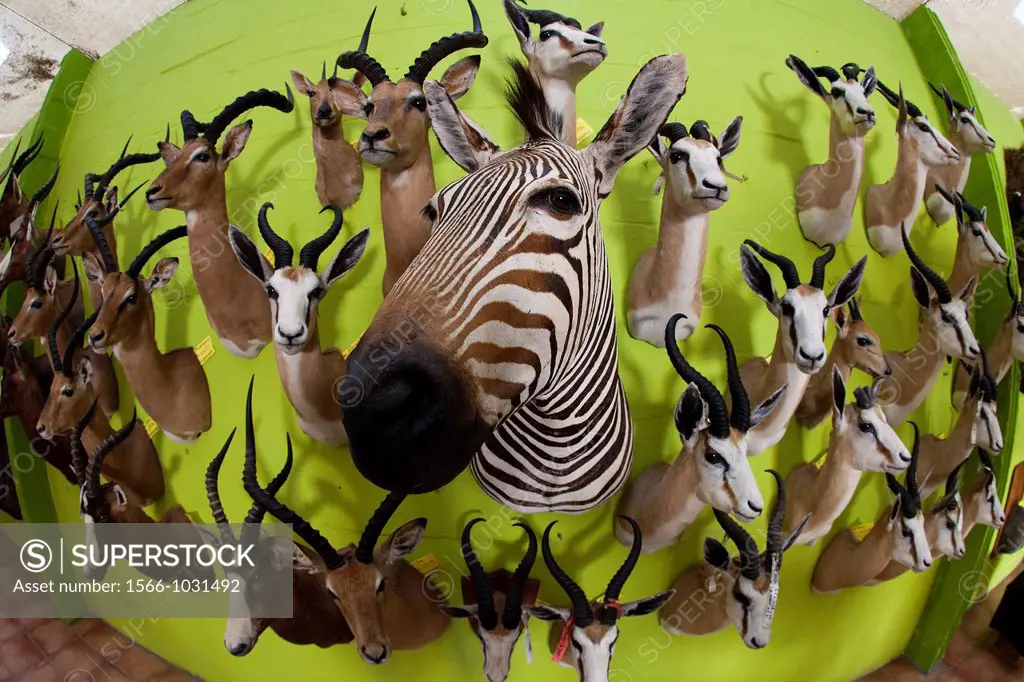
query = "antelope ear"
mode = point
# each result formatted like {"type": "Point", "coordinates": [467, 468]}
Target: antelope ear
{"type": "Point", "coordinates": [691, 414]}
{"type": "Point", "coordinates": [346, 258]}
{"type": "Point", "coordinates": [248, 255]}
{"type": "Point", "coordinates": [984, 214]}
{"type": "Point", "coordinates": [519, 22]}
{"type": "Point", "coordinates": [967, 293]}
{"type": "Point", "coordinates": [848, 285]}
{"type": "Point", "coordinates": [460, 138]}
{"type": "Point", "coordinates": [596, 29]}
{"type": "Point", "coordinates": [756, 275]}
{"type": "Point", "coordinates": [869, 82]}
{"type": "Point", "coordinates": [920, 286]}
{"type": "Point", "coordinates": [642, 607]}
{"type": "Point", "coordinates": [111, 201]}
{"type": "Point", "coordinates": [903, 116]}
{"type": "Point", "coordinates": [349, 98]}
{"type": "Point", "coordinates": [546, 612]}
{"type": "Point", "coordinates": [461, 611]}
{"type": "Point", "coordinates": [459, 77]}
{"type": "Point", "coordinates": [841, 318]}
{"type": "Point", "coordinates": [234, 143]}
{"type": "Point", "coordinates": [796, 533]}
{"type": "Point", "coordinates": [162, 274]}
{"type": "Point", "coordinates": [806, 76]}
{"type": "Point", "coordinates": [119, 495]}
{"type": "Point", "coordinates": [716, 555]}
{"type": "Point", "coordinates": [838, 394]}
{"type": "Point", "coordinates": [50, 279]}
{"type": "Point", "coordinates": [5, 264]}
{"type": "Point", "coordinates": [93, 268]}
{"type": "Point", "coordinates": [950, 108]}
{"type": "Point", "coordinates": [295, 557]}
{"type": "Point", "coordinates": [642, 111]}
{"type": "Point", "coordinates": [302, 84]}
{"type": "Point", "coordinates": [730, 139]}
{"type": "Point", "coordinates": [659, 149]}
{"type": "Point", "coordinates": [403, 541]}
{"type": "Point", "coordinates": [85, 370]}
{"type": "Point", "coordinates": [766, 406]}
{"type": "Point", "coordinates": [168, 152]}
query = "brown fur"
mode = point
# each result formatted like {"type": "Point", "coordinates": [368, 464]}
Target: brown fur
{"type": "Point", "coordinates": [698, 606]}
{"type": "Point", "coordinates": [1000, 357]}
{"type": "Point", "coordinates": [847, 562]}
{"type": "Point", "coordinates": [939, 456]}
{"type": "Point", "coordinates": [954, 176]}
{"type": "Point", "coordinates": [914, 371]}
{"type": "Point", "coordinates": [824, 185]}
{"type": "Point", "coordinates": [888, 204]}
{"type": "Point", "coordinates": [76, 239]}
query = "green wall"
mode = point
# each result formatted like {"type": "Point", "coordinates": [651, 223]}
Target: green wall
{"type": "Point", "coordinates": [205, 53]}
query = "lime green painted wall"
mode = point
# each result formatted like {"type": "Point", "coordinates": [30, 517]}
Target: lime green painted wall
{"type": "Point", "coordinates": [205, 53]}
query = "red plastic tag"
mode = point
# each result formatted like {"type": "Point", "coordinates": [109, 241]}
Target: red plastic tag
{"type": "Point", "coordinates": [563, 642]}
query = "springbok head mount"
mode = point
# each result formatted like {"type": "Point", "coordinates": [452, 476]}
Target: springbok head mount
{"type": "Point", "coordinates": [331, 97]}
{"type": "Point", "coordinates": [562, 50]}
{"type": "Point", "coordinates": [296, 291]}
{"type": "Point", "coordinates": [864, 346]}
{"type": "Point", "coordinates": [41, 301]}
{"type": "Point", "coordinates": [22, 226]}
{"type": "Point", "coordinates": [906, 521]}
{"type": "Point", "coordinates": [498, 634]}
{"type": "Point", "coordinates": [932, 146]}
{"type": "Point", "coordinates": [196, 167]}
{"type": "Point", "coordinates": [242, 632]}
{"type": "Point", "coordinates": [949, 536]}
{"type": "Point", "coordinates": [971, 223]}
{"type": "Point", "coordinates": [12, 196]}
{"type": "Point", "coordinates": [396, 134]}
{"type": "Point", "coordinates": [1016, 319]}
{"type": "Point", "coordinates": [874, 444]}
{"type": "Point", "coordinates": [716, 439]}
{"type": "Point", "coordinates": [964, 119]}
{"type": "Point", "coordinates": [99, 203]}
{"type": "Point", "coordinates": [846, 97]}
{"type": "Point", "coordinates": [127, 304]}
{"type": "Point", "coordinates": [947, 311]}
{"type": "Point", "coordinates": [803, 309]}
{"type": "Point", "coordinates": [991, 512]}
{"type": "Point", "coordinates": [592, 628]}
{"type": "Point", "coordinates": [988, 435]}
{"type": "Point", "coordinates": [754, 577]}
{"type": "Point", "coordinates": [356, 575]}
{"type": "Point", "coordinates": [693, 161]}
{"type": "Point", "coordinates": [460, 363]}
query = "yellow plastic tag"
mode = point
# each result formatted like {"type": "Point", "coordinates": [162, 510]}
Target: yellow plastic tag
{"type": "Point", "coordinates": [348, 351]}
{"type": "Point", "coordinates": [426, 563]}
{"type": "Point", "coordinates": [355, 145]}
{"type": "Point", "coordinates": [204, 350]}
{"type": "Point", "coordinates": [820, 461]}
{"type": "Point", "coordinates": [860, 532]}
{"type": "Point", "coordinates": [151, 427]}
{"type": "Point", "coordinates": [583, 131]}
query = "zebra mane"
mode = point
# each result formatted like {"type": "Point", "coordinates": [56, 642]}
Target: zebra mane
{"type": "Point", "coordinates": [526, 99]}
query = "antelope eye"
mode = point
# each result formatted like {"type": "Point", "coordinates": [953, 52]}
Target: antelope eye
{"type": "Point", "coordinates": [67, 391]}
{"type": "Point", "coordinates": [713, 458]}
{"type": "Point", "coordinates": [544, 35]}
{"type": "Point", "coordinates": [368, 108]}
{"type": "Point", "coordinates": [380, 587]}
{"type": "Point", "coordinates": [36, 304]}
{"type": "Point", "coordinates": [201, 157]}
{"type": "Point", "coordinates": [837, 92]}
{"type": "Point", "coordinates": [312, 94]}
{"type": "Point", "coordinates": [866, 427]}
{"type": "Point", "coordinates": [976, 232]}
{"type": "Point", "coordinates": [923, 127]}
{"type": "Point", "coordinates": [272, 293]}
{"type": "Point", "coordinates": [419, 102]}
{"type": "Point", "coordinates": [677, 155]}
{"type": "Point", "coordinates": [863, 341]}
{"type": "Point", "coordinates": [907, 532]}
{"type": "Point", "coordinates": [826, 311]}
{"type": "Point", "coordinates": [559, 200]}
{"type": "Point", "coordinates": [947, 318]}
{"type": "Point", "coordinates": [964, 119]}
{"type": "Point", "coordinates": [132, 299]}
{"type": "Point", "coordinates": [950, 525]}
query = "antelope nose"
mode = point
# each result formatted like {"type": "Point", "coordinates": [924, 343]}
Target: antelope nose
{"type": "Point", "coordinates": [754, 508]}
{"type": "Point", "coordinates": [238, 650]}
{"type": "Point", "coordinates": [376, 135]}
{"type": "Point", "coordinates": [974, 351]}
{"type": "Point", "coordinates": [888, 370]}
{"type": "Point", "coordinates": [756, 643]}
{"type": "Point", "coordinates": [865, 112]}
{"type": "Point", "coordinates": [41, 430]}
{"type": "Point", "coordinates": [592, 41]}
{"type": "Point", "coordinates": [324, 111]}
{"type": "Point", "coordinates": [927, 563]}
{"type": "Point", "coordinates": [290, 337]}
{"type": "Point", "coordinates": [812, 358]}
{"type": "Point", "coordinates": [710, 185]}
{"type": "Point", "coordinates": [375, 653]}
{"type": "Point", "coordinates": [153, 191]}
{"type": "Point", "coordinates": [96, 338]}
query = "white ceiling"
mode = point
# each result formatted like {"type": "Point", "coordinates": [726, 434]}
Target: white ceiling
{"type": "Point", "coordinates": [38, 33]}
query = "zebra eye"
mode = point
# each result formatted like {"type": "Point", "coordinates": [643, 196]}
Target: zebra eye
{"type": "Point", "coordinates": [559, 200]}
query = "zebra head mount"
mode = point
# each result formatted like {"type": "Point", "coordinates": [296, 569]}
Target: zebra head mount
{"type": "Point", "coordinates": [803, 309]}
{"type": "Point", "coordinates": [296, 291]}
{"type": "Point", "coordinates": [906, 522]}
{"type": "Point", "coordinates": [331, 97]}
{"type": "Point", "coordinates": [983, 251]}
{"type": "Point", "coordinates": [395, 136]}
{"type": "Point", "coordinates": [946, 521]}
{"type": "Point", "coordinates": [592, 628]}
{"type": "Point", "coordinates": [197, 168]}
{"type": "Point", "coordinates": [99, 203]}
{"type": "Point", "coordinates": [754, 577]}
{"type": "Point", "coordinates": [846, 97]}
{"type": "Point", "coordinates": [974, 139]}
{"type": "Point", "coordinates": [945, 311]}
{"type": "Point", "coordinates": [874, 444]}
{"type": "Point", "coordinates": [562, 51]}
{"type": "Point", "coordinates": [716, 439]}
{"type": "Point", "coordinates": [497, 635]}
{"type": "Point", "coordinates": [509, 300]}
{"type": "Point", "coordinates": [693, 162]}
{"type": "Point", "coordinates": [932, 146]}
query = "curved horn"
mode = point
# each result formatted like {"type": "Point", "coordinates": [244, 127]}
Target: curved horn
{"type": "Point", "coordinates": [959, 106]}
{"type": "Point", "coordinates": [96, 230]}
{"type": "Point", "coordinates": [719, 417]}
{"type": "Point", "coordinates": [40, 194]}
{"type": "Point", "coordinates": [283, 252]}
{"type": "Point", "coordinates": [826, 72]}
{"type": "Point", "coordinates": [788, 269]}
{"type": "Point", "coordinates": [448, 45]}
{"type": "Point", "coordinates": [118, 166]}
{"type": "Point", "coordinates": [913, 504]}
{"type": "Point", "coordinates": [987, 380]}
{"type": "Point", "coordinates": [69, 352]}
{"type": "Point", "coordinates": [851, 70]}
{"type": "Point", "coordinates": [67, 363]}
{"type": "Point", "coordinates": [486, 613]}
{"type": "Point", "coordinates": [674, 131]}
{"type": "Point", "coordinates": [51, 333]}
{"type": "Point", "coordinates": [750, 566]}
{"type": "Point", "coordinates": [312, 537]}
{"type": "Point", "coordinates": [27, 156]}
{"type": "Point", "coordinates": [151, 248]}
{"type": "Point", "coordinates": [375, 526]}
{"type": "Point", "coordinates": [818, 271]}
{"type": "Point", "coordinates": [513, 614]}
{"type": "Point", "coordinates": [610, 611]}
{"type": "Point", "coordinates": [774, 543]}
{"type": "Point", "coordinates": [1014, 299]}
{"type": "Point", "coordinates": [227, 536]}
{"type": "Point", "coordinates": [250, 100]}
{"type": "Point", "coordinates": [938, 284]}
{"type": "Point", "coordinates": [986, 461]}
{"type": "Point", "coordinates": [740, 417]}
{"type": "Point", "coordinates": [361, 61]}
{"type": "Point", "coordinates": [855, 310]}
{"type": "Point", "coordinates": [79, 459]}
{"type": "Point", "coordinates": [92, 474]}
{"type": "Point", "coordinates": [543, 17]}
{"type": "Point", "coordinates": [189, 130]}
{"type": "Point", "coordinates": [310, 253]}
{"type": "Point", "coordinates": [251, 525]}
{"type": "Point", "coordinates": [581, 613]}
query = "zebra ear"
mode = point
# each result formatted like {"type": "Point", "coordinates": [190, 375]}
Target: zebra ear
{"type": "Point", "coordinates": [641, 113]}
{"type": "Point", "coordinates": [460, 138]}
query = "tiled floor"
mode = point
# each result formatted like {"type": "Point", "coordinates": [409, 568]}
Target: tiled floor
{"type": "Point", "coordinates": [48, 650]}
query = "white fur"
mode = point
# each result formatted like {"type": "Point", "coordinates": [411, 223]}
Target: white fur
{"type": "Point", "coordinates": [946, 542]}
{"type": "Point", "coordinates": [903, 549]}
{"type": "Point", "coordinates": [186, 439]}
{"type": "Point", "coordinates": [771, 431]}
{"type": "Point", "coordinates": [249, 351]}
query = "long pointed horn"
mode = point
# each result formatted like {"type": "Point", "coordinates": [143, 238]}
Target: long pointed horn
{"type": "Point", "coordinates": [227, 536]}
{"type": "Point", "coordinates": [773, 545]}
{"type": "Point", "coordinates": [96, 230]}
{"type": "Point", "coordinates": [122, 163]}
{"type": "Point", "coordinates": [323, 71]}
{"type": "Point", "coordinates": [674, 131]}
{"type": "Point", "coordinates": [67, 367]}
{"type": "Point", "coordinates": [40, 194]}
{"type": "Point", "coordinates": [250, 100]}
{"type": "Point", "coordinates": [987, 380]}
{"type": "Point", "coordinates": [283, 252]}
{"type": "Point", "coordinates": [375, 526]}
{"type": "Point", "coordinates": [581, 613]}
{"type": "Point", "coordinates": [826, 72]}
{"type": "Point", "coordinates": [750, 566]}
{"type": "Point", "coordinates": [28, 156]}
{"type": "Point", "coordinates": [740, 416]}
{"type": "Point", "coordinates": [719, 417]}
{"type": "Point", "coordinates": [444, 47]}
{"type": "Point", "coordinates": [913, 503]}
{"type": "Point", "coordinates": [818, 271]}
{"type": "Point", "coordinates": [610, 612]}
{"type": "Point", "coordinates": [790, 275]}
{"type": "Point", "coordinates": [310, 253]}
{"type": "Point", "coordinates": [486, 613]}
{"type": "Point", "coordinates": [79, 458]}
{"type": "Point", "coordinates": [162, 240]}
{"type": "Point", "coordinates": [513, 614]}
{"type": "Point", "coordinates": [251, 525]}
{"type": "Point", "coordinates": [189, 130]}
{"type": "Point", "coordinates": [310, 535]}
{"type": "Point", "coordinates": [938, 284]}
{"type": "Point", "coordinates": [92, 477]}
{"type": "Point", "coordinates": [59, 320]}
{"type": "Point", "coordinates": [543, 17]}
{"type": "Point", "coordinates": [361, 61]}
{"type": "Point", "coordinates": [854, 307]}
{"type": "Point", "coordinates": [51, 333]}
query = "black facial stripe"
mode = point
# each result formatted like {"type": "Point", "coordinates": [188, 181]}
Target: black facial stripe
{"type": "Point", "coordinates": [975, 128]}
{"type": "Point", "coordinates": [792, 334]}
{"type": "Point", "coordinates": [960, 339]}
{"type": "Point", "coordinates": [931, 131]}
